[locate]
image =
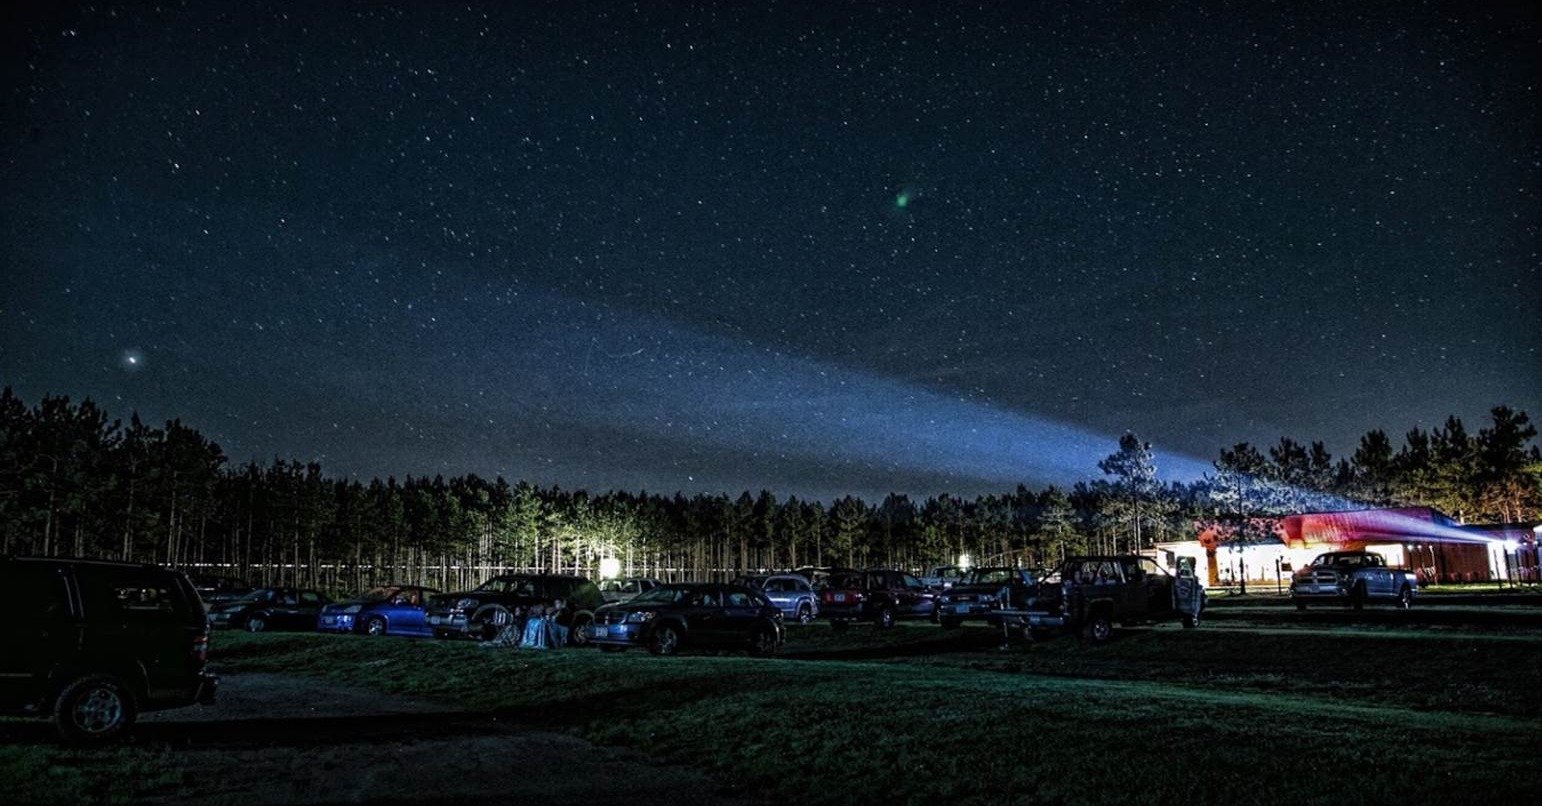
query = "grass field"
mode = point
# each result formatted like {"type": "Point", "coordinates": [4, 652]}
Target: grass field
{"type": "Point", "coordinates": [1257, 708]}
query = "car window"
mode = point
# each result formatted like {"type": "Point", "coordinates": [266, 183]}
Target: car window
{"type": "Point", "coordinates": [35, 592]}
{"type": "Point", "coordinates": [705, 599]}
{"type": "Point", "coordinates": [912, 582]}
{"type": "Point", "coordinates": [310, 598]}
{"type": "Point", "coordinates": [1151, 568]}
{"type": "Point", "coordinates": [132, 594]}
{"type": "Point", "coordinates": [740, 599]}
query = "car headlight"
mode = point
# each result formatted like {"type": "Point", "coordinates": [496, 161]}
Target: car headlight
{"type": "Point", "coordinates": [465, 604]}
{"type": "Point", "coordinates": [640, 616]}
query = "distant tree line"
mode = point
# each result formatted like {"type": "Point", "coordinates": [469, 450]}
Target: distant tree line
{"type": "Point", "coordinates": [74, 481]}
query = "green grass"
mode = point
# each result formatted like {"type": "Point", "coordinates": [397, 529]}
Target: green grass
{"type": "Point", "coordinates": [919, 713]}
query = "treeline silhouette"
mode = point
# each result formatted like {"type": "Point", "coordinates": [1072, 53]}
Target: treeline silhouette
{"type": "Point", "coordinates": [74, 481]}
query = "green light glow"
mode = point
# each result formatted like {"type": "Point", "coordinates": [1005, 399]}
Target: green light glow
{"type": "Point", "coordinates": [902, 200]}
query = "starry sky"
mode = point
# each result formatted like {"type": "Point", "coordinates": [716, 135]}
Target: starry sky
{"type": "Point", "coordinates": [817, 248]}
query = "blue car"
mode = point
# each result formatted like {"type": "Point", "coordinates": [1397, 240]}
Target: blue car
{"type": "Point", "coordinates": [387, 610]}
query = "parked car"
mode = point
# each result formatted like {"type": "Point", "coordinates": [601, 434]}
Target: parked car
{"type": "Point", "coordinates": [671, 617]}
{"type": "Point", "coordinates": [878, 595]}
{"type": "Point", "coordinates": [1353, 578]}
{"type": "Point", "coordinates": [484, 612]}
{"type": "Point", "coordinates": [91, 645]}
{"type": "Point", "coordinates": [622, 590]}
{"type": "Point", "coordinates": [982, 593]}
{"type": "Point", "coordinates": [269, 609]}
{"type": "Point", "coordinates": [1092, 594]}
{"type": "Point", "coordinates": [942, 577]}
{"type": "Point", "coordinates": [791, 593]}
{"type": "Point", "coordinates": [387, 610]}
{"type": "Point", "coordinates": [219, 589]}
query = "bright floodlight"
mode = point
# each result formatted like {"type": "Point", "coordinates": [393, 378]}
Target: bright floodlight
{"type": "Point", "coordinates": [964, 561]}
{"type": "Point", "coordinates": [610, 568]}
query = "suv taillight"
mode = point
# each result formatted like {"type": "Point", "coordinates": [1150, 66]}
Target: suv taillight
{"type": "Point", "coordinates": [201, 649]}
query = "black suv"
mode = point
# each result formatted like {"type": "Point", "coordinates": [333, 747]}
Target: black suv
{"type": "Point", "coordinates": [483, 612]}
{"type": "Point", "coordinates": [878, 595]}
{"type": "Point", "coordinates": [93, 644]}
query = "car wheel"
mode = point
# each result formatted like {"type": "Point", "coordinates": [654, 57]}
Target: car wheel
{"type": "Point", "coordinates": [950, 623]}
{"type": "Point", "coordinates": [1404, 598]}
{"type": "Point", "coordinates": [578, 631]}
{"type": "Point", "coordinates": [1098, 629]}
{"type": "Point", "coordinates": [763, 644]}
{"type": "Point", "coordinates": [256, 624]}
{"type": "Point", "coordinates": [1190, 620]}
{"type": "Point", "coordinates": [839, 625]}
{"type": "Point", "coordinates": [94, 710]}
{"type": "Point", "coordinates": [885, 618]}
{"type": "Point", "coordinates": [665, 641]}
{"type": "Point", "coordinates": [488, 621]}
{"type": "Point", "coordinates": [805, 613]}
{"type": "Point", "coordinates": [374, 625]}
{"type": "Point", "coordinates": [1357, 596]}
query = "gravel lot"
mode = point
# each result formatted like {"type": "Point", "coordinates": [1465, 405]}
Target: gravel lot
{"type": "Point", "coordinates": [280, 739]}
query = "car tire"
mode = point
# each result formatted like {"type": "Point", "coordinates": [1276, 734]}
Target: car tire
{"type": "Point", "coordinates": [763, 643]}
{"type": "Point", "coordinates": [1404, 598]}
{"type": "Point", "coordinates": [578, 630]}
{"type": "Point", "coordinates": [885, 618]}
{"type": "Point", "coordinates": [950, 623]}
{"type": "Point", "coordinates": [374, 625]}
{"type": "Point", "coordinates": [1357, 596]}
{"type": "Point", "coordinates": [805, 613]}
{"type": "Point", "coordinates": [488, 621]}
{"type": "Point", "coordinates": [1098, 629]}
{"type": "Point", "coordinates": [256, 623]}
{"type": "Point", "coordinates": [1190, 620]}
{"type": "Point", "coordinates": [94, 710]}
{"type": "Point", "coordinates": [664, 641]}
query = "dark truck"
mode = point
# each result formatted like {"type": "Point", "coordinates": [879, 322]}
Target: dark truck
{"type": "Point", "coordinates": [1092, 594]}
{"type": "Point", "coordinates": [484, 612]}
{"type": "Point", "coordinates": [982, 593]}
{"type": "Point", "coordinates": [1352, 578]}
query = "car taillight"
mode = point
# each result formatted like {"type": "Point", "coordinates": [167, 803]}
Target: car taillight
{"type": "Point", "coordinates": [201, 649]}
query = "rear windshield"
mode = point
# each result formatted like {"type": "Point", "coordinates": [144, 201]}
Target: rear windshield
{"type": "Point", "coordinates": [846, 582]}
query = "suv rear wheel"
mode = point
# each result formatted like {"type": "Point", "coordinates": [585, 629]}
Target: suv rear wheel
{"type": "Point", "coordinates": [93, 710]}
{"type": "Point", "coordinates": [885, 618]}
{"type": "Point", "coordinates": [1098, 629]}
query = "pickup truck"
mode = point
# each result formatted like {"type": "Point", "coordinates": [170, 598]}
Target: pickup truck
{"type": "Point", "coordinates": [1092, 594]}
{"type": "Point", "coordinates": [1353, 578]}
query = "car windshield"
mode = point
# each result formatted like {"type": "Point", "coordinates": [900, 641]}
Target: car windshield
{"type": "Point", "coordinates": [259, 595]}
{"type": "Point", "coordinates": [519, 586]}
{"type": "Point", "coordinates": [1337, 559]}
{"type": "Point", "coordinates": [992, 576]}
{"type": "Point", "coordinates": [661, 595]}
{"type": "Point", "coordinates": [845, 582]}
{"type": "Point", "coordinates": [383, 594]}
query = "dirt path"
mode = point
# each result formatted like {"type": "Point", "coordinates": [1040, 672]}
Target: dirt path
{"type": "Point", "coordinates": [278, 739]}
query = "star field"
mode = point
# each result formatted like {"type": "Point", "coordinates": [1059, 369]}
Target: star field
{"type": "Point", "coordinates": [816, 248]}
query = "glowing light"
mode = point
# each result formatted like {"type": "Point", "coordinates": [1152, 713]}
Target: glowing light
{"type": "Point", "coordinates": [610, 568]}
{"type": "Point", "coordinates": [131, 360]}
{"type": "Point", "coordinates": [902, 200]}
{"type": "Point", "coordinates": [965, 561]}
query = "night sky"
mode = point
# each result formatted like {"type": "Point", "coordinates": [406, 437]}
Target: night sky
{"type": "Point", "coordinates": [812, 248]}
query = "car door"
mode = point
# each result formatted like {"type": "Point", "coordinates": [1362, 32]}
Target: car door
{"type": "Point", "coordinates": [704, 616]}
{"type": "Point", "coordinates": [778, 591]}
{"type": "Point", "coordinates": [39, 631]}
{"type": "Point", "coordinates": [741, 616]}
{"type": "Point", "coordinates": [410, 615]}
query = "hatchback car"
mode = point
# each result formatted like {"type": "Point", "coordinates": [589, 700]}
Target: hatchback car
{"type": "Point", "coordinates": [387, 610]}
{"type": "Point", "coordinates": [672, 617]}
{"type": "Point", "coordinates": [92, 644]}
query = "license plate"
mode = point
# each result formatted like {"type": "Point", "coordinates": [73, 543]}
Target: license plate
{"type": "Point", "coordinates": [840, 597]}
{"type": "Point", "coordinates": [963, 608]}
{"type": "Point", "coordinates": [435, 620]}
{"type": "Point", "coordinates": [329, 619]}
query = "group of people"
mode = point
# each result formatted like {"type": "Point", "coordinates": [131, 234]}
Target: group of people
{"type": "Point", "coordinates": [533, 627]}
